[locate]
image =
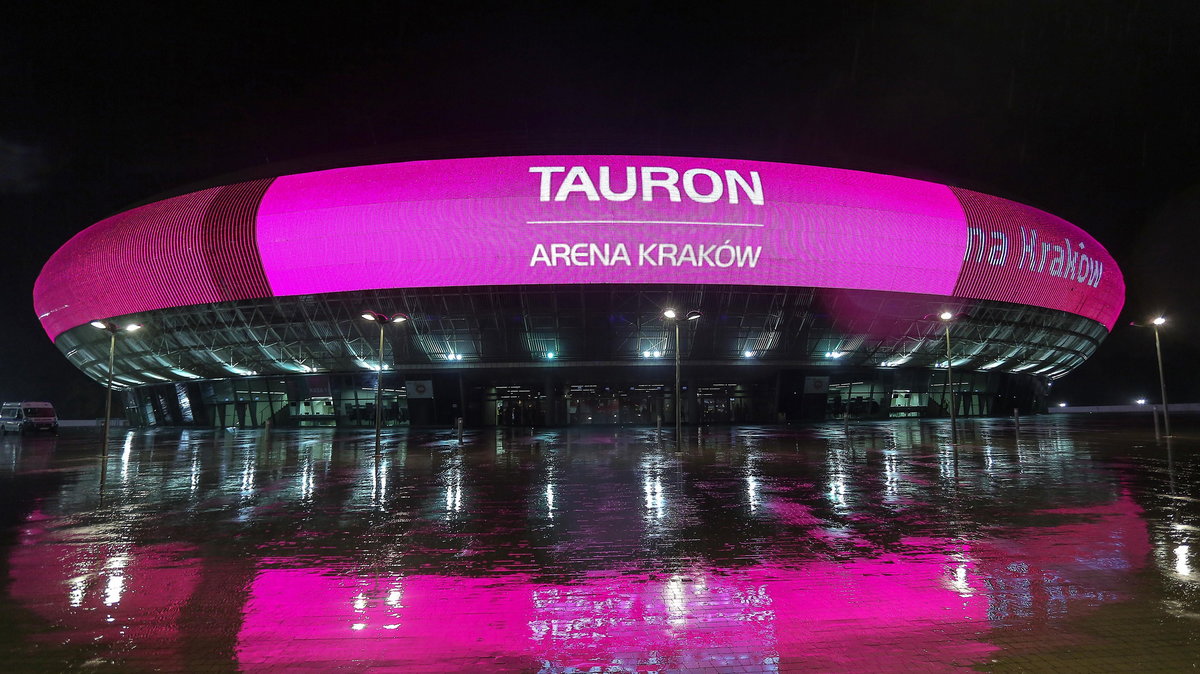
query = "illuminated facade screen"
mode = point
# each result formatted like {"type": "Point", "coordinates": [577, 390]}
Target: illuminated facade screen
{"type": "Point", "coordinates": [818, 261]}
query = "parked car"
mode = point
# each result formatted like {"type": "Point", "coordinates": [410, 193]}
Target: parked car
{"type": "Point", "coordinates": [24, 417]}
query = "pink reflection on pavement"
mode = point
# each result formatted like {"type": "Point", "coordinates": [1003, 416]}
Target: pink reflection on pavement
{"type": "Point", "coordinates": [1040, 573]}
{"type": "Point", "coordinates": [126, 598]}
{"type": "Point", "coordinates": [304, 616]}
{"type": "Point", "coordinates": [930, 604]}
{"type": "Point", "coordinates": [924, 602]}
{"type": "Point", "coordinates": [826, 614]}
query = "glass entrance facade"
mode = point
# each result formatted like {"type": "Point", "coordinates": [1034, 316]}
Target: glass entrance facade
{"type": "Point", "coordinates": [560, 398]}
{"type": "Point", "coordinates": [576, 355]}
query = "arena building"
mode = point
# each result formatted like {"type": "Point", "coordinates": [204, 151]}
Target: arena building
{"type": "Point", "coordinates": [532, 291]}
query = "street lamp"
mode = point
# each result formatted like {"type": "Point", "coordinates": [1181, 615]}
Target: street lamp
{"type": "Point", "coordinates": [946, 318]}
{"type": "Point", "coordinates": [112, 329]}
{"type": "Point", "coordinates": [382, 320]}
{"type": "Point", "coordinates": [670, 315]}
{"type": "Point", "coordinates": [1162, 382]}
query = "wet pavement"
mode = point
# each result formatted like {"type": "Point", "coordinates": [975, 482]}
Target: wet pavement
{"type": "Point", "coordinates": [877, 547]}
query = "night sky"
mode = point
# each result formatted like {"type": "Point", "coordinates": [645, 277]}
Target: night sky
{"type": "Point", "coordinates": [1088, 110]}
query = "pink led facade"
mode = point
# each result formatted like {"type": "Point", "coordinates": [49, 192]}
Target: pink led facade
{"type": "Point", "coordinates": [575, 220]}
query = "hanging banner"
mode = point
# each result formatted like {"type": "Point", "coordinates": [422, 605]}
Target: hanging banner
{"type": "Point", "coordinates": [816, 385]}
{"type": "Point", "coordinates": [419, 389]}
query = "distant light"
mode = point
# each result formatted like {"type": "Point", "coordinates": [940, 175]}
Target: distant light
{"type": "Point", "coordinates": [550, 355]}
{"type": "Point", "coordinates": [658, 354]}
{"type": "Point", "coordinates": [1062, 404]}
{"type": "Point", "coordinates": [669, 313]}
{"type": "Point", "coordinates": [645, 354]}
{"type": "Point", "coordinates": [1141, 401]}
{"type": "Point", "coordinates": [1160, 320]}
{"type": "Point", "coordinates": [834, 354]}
{"type": "Point", "coordinates": [946, 315]}
{"type": "Point", "coordinates": [747, 354]}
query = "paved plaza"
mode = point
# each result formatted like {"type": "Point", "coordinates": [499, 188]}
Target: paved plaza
{"type": "Point", "coordinates": [1071, 546]}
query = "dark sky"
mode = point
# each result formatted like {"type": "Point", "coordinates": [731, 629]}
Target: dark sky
{"type": "Point", "coordinates": [1088, 110]}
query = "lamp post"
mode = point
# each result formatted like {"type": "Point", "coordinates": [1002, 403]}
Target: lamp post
{"type": "Point", "coordinates": [1162, 382]}
{"type": "Point", "coordinates": [112, 329]}
{"type": "Point", "coordinates": [946, 318]}
{"type": "Point", "coordinates": [670, 315]}
{"type": "Point", "coordinates": [381, 319]}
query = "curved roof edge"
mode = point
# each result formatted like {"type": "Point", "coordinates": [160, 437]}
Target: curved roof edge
{"type": "Point", "coordinates": [575, 219]}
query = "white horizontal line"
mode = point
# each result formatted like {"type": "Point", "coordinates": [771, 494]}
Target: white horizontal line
{"type": "Point", "coordinates": [641, 222]}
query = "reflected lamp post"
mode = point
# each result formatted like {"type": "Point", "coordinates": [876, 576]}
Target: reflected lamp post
{"type": "Point", "coordinates": [112, 329]}
{"type": "Point", "coordinates": [947, 318]}
{"type": "Point", "coordinates": [670, 315]}
{"type": "Point", "coordinates": [382, 320]}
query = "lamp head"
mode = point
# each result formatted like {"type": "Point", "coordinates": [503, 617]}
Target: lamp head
{"type": "Point", "coordinates": [113, 327]}
{"type": "Point", "coordinates": [669, 313]}
{"type": "Point", "coordinates": [945, 315]}
{"type": "Point", "coordinates": [399, 318]}
{"type": "Point", "coordinates": [370, 316]}
{"type": "Point", "coordinates": [692, 315]}
{"type": "Point", "coordinates": [1159, 320]}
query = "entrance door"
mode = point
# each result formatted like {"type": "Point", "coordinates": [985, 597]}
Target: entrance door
{"type": "Point", "coordinates": [518, 405]}
{"type": "Point", "coordinates": [592, 404]}
{"type": "Point", "coordinates": [716, 403]}
{"type": "Point", "coordinates": [643, 405]}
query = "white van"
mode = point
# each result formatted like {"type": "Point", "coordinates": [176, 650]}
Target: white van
{"type": "Point", "coordinates": [28, 416]}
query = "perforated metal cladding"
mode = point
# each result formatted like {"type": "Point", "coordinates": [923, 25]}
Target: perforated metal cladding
{"type": "Point", "coordinates": [499, 221]}
{"type": "Point", "coordinates": [230, 243]}
{"type": "Point", "coordinates": [191, 249]}
{"type": "Point", "coordinates": [1019, 254]}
